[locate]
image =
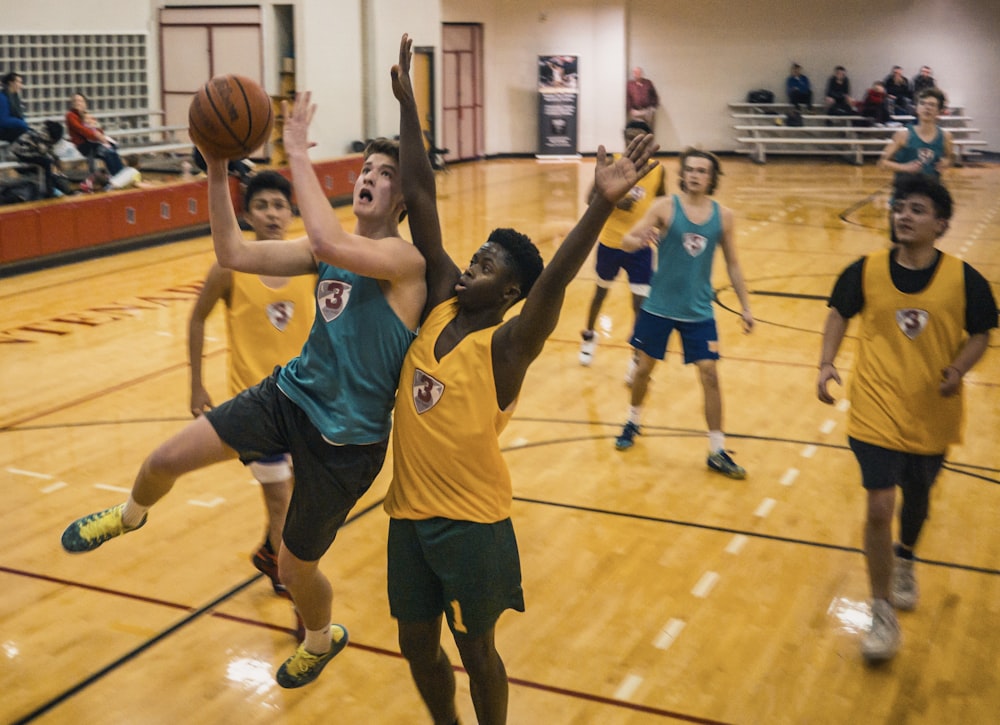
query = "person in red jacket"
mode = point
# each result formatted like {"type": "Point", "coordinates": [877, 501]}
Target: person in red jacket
{"type": "Point", "coordinates": [90, 138]}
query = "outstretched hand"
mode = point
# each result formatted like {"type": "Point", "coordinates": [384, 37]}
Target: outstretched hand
{"type": "Point", "coordinates": [402, 88]}
{"type": "Point", "coordinates": [613, 180]}
{"type": "Point", "coordinates": [298, 117]}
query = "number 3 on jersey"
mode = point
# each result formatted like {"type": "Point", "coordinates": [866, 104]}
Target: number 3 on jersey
{"type": "Point", "coordinates": [332, 296]}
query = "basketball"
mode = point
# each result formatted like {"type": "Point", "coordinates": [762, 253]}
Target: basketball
{"type": "Point", "coordinates": [230, 116]}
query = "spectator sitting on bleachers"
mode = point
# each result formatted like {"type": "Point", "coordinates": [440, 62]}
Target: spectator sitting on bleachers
{"type": "Point", "coordinates": [798, 88]}
{"type": "Point", "coordinates": [12, 123]}
{"type": "Point", "coordinates": [875, 104]}
{"type": "Point", "coordinates": [91, 140]}
{"type": "Point", "coordinates": [838, 93]}
{"type": "Point", "coordinates": [923, 81]}
{"type": "Point", "coordinates": [897, 88]}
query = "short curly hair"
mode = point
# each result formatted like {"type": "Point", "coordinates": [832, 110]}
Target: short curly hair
{"type": "Point", "coordinates": [524, 255]}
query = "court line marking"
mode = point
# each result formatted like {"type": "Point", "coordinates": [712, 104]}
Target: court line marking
{"type": "Point", "coordinates": [736, 544]}
{"type": "Point", "coordinates": [627, 688]}
{"type": "Point", "coordinates": [705, 585]}
{"type": "Point", "coordinates": [32, 474]}
{"type": "Point", "coordinates": [789, 478]}
{"type": "Point", "coordinates": [669, 634]}
{"type": "Point", "coordinates": [765, 508]}
{"type": "Point", "coordinates": [54, 487]}
{"type": "Point", "coordinates": [109, 487]}
{"type": "Point", "coordinates": [210, 504]}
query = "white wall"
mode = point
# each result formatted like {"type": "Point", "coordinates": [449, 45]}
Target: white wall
{"type": "Point", "coordinates": [703, 54]}
{"type": "Point", "coordinates": [700, 53]}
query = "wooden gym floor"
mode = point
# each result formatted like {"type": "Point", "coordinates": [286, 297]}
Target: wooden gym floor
{"type": "Point", "coordinates": [657, 592]}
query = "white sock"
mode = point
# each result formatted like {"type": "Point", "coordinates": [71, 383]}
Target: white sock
{"type": "Point", "coordinates": [716, 441]}
{"type": "Point", "coordinates": [318, 641]}
{"type": "Point", "coordinates": [132, 513]}
{"type": "Point", "coordinates": [634, 413]}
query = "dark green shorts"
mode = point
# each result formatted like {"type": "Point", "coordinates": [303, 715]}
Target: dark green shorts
{"type": "Point", "coordinates": [469, 571]}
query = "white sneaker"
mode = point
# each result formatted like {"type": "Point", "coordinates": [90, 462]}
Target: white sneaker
{"type": "Point", "coordinates": [588, 347]}
{"type": "Point", "coordinates": [881, 642]}
{"type": "Point", "coordinates": [904, 592]}
{"type": "Point", "coordinates": [633, 365]}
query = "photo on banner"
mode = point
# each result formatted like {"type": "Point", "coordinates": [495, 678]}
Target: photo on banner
{"type": "Point", "coordinates": [558, 84]}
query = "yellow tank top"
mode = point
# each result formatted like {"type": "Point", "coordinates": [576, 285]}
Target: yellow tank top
{"type": "Point", "coordinates": [266, 327]}
{"type": "Point", "coordinates": [446, 459]}
{"type": "Point", "coordinates": [906, 341]}
{"type": "Point", "coordinates": [621, 221]}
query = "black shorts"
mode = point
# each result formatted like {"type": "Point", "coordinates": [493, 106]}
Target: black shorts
{"type": "Point", "coordinates": [469, 571]}
{"type": "Point", "coordinates": [884, 468]}
{"type": "Point", "coordinates": [329, 479]}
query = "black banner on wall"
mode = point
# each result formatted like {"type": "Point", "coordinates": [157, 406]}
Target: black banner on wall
{"type": "Point", "coordinates": [557, 105]}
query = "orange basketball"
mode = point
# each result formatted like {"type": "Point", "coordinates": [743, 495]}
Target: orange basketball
{"type": "Point", "coordinates": [230, 116]}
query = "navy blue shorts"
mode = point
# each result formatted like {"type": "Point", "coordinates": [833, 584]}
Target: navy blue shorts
{"type": "Point", "coordinates": [700, 339]}
{"type": "Point", "coordinates": [884, 468]}
{"type": "Point", "coordinates": [638, 265]}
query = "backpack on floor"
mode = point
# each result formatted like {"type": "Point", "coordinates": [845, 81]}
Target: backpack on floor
{"type": "Point", "coordinates": [19, 191]}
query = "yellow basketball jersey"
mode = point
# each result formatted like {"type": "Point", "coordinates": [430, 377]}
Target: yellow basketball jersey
{"type": "Point", "coordinates": [266, 327]}
{"type": "Point", "coordinates": [906, 340]}
{"type": "Point", "coordinates": [621, 220]}
{"type": "Point", "coordinates": [446, 458]}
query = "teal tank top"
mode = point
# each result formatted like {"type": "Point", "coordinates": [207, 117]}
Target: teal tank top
{"type": "Point", "coordinates": [928, 153]}
{"type": "Point", "coordinates": [681, 288]}
{"type": "Point", "coordinates": [345, 378]}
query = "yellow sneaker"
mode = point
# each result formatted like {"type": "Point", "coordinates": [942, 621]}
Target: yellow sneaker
{"type": "Point", "coordinates": [303, 667]}
{"type": "Point", "coordinates": [88, 533]}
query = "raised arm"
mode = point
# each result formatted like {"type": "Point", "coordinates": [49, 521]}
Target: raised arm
{"type": "Point", "coordinates": [419, 186]}
{"type": "Point", "coordinates": [522, 338]}
{"type": "Point", "coordinates": [384, 257]}
{"type": "Point", "coordinates": [277, 257]}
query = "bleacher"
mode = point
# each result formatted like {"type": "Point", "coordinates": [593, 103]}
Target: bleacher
{"type": "Point", "coordinates": [135, 132]}
{"type": "Point", "coordinates": [762, 129]}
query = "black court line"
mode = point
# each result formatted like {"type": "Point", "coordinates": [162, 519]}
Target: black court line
{"type": "Point", "coordinates": [195, 614]}
{"type": "Point", "coordinates": [957, 467]}
{"type": "Point", "coordinates": [791, 295]}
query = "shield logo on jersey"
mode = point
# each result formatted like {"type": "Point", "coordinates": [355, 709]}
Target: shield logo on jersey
{"type": "Point", "coordinates": [426, 391]}
{"type": "Point", "coordinates": [694, 244]}
{"type": "Point", "coordinates": [332, 295]}
{"type": "Point", "coordinates": [912, 322]}
{"type": "Point", "coordinates": [280, 314]}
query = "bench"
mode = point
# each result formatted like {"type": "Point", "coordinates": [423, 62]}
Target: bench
{"type": "Point", "coordinates": [158, 149]}
{"type": "Point", "coordinates": [130, 137]}
{"type": "Point", "coordinates": [854, 148]}
{"type": "Point", "coordinates": [132, 117]}
{"type": "Point", "coordinates": [763, 127]}
{"type": "Point", "coordinates": [816, 107]}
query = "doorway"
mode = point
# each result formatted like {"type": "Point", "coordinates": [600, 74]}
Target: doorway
{"type": "Point", "coordinates": [462, 91]}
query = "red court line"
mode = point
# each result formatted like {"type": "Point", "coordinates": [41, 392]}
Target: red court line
{"type": "Point", "coordinates": [517, 681]}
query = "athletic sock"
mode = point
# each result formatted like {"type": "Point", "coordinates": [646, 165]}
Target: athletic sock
{"type": "Point", "coordinates": [716, 441]}
{"type": "Point", "coordinates": [132, 513]}
{"type": "Point", "coordinates": [634, 413]}
{"type": "Point", "coordinates": [318, 641]}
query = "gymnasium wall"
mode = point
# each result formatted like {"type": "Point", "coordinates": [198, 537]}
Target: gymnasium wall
{"type": "Point", "coordinates": [702, 54]}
